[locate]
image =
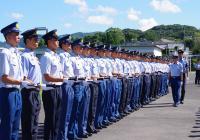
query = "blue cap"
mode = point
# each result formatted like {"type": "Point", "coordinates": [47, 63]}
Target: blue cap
{"type": "Point", "coordinates": [87, 44]}
{"type": "Point", "coordinates": [65, 39]}
{"type": "Point", "coordinates": [180, 51]}
{"type": "Point", "coordinates": [101, 47]}
{"type": "Point", "coordinates": [114, 49]}
{"type": "Point", "coordinates": [93, 45]}
{"type": "Point", "coordinates": [108, 47]}
{"type": "Point", "coordinates": [30, 33]}
{"type": "Point", "coordinates": [14, 27]}
{"type": "Point", "coordinates": [50, 35]}
{"type": "Point", "coordinates": [78, 42]}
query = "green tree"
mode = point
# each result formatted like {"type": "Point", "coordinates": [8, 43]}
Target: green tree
{"type": "Point", "coordinates": [189, 43]}
{"type": "Point", "coordinates": [151, 35]}
{"type": "Point", "coordinates": [114, 36]}
{"type": "Point", "coordinates": [41, 43]}
{"type": "Point", "coordinates": [131, 34]}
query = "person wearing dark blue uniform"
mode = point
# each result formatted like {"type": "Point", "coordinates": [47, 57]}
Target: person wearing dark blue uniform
{"type": "Point", "coordinates": [11, 75]}
{"type": "Point", "coordinates": [53, 78]}
{"type": "Point", "coordinates": [185, 73]}
{"type": "Point", "coordinates": [31, 104]}
{"type": "Point", "coordinates": [176, 77]}
{"type": "Point", "coordinates": [197, 68]}
{"type": "Point", "coordinates": [67, 87]}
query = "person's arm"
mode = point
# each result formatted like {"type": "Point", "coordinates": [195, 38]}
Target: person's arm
{"type": "Point", "coordinates": [50, 78]}
{"type": "Point", "coordinates": [8, 80]}
{"type": "Point", "coordinates": [5, 70]}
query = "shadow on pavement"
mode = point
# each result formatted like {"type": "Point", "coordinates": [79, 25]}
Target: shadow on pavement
{"type": "Point", "coordinates": [40, 135]}
{"type": "Point", "coordinates": [158, 105]}
{"type": "Point", "coordinates": [195, 133]}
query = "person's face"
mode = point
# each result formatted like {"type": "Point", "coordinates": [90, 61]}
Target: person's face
{"type": "Point", "coordinates": [66, 46]}
{"type": "Point", "coordinates": [93, 52]}
{"type": "Point", "coordinates": [32, 43]}
{"type": "Point", "coordinates": [13, 39]}
{"type": "Point", "coordinates": [78, 49]}
{"type": "Point", "coordinates": [86, 52]}
{"type": "Point", "coordinates": [180, 55]}
{"type": "Point", "coordinates": [101, 53]}
{"type": "Point", "coordinates": [53, 44]}
{"type": "Point", "coordinates": [175, 59]}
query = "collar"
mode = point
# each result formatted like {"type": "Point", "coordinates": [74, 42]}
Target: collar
{"type": "Point", "coordinates": [29, 51]}
{"type": "Point", "coordinates": [50, 51]}
{"type": "Point", "coordinates": [11, 48]}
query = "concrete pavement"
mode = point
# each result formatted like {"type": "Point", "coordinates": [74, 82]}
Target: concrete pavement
{"type": "Point", "coordinates": [160, 120]}
{"type": "Point", "coordinates": [156, 121]}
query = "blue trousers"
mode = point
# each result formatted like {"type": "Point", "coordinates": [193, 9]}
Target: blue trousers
{"type": "Point", "coordinates": [78, 96]}
{"type": "Point", "coordinates": [176, 88]}
{"type": "Point", "coordinates": [67, 103]}
{"type": "Point", "coordinates": [117, 90]}
{"type": "Point", "coordinates": [100, 104]}
{"type": "Point", "coordinates": [146, 87]}
{"type": "Point", "coordinates": [107, 99]}
{"type": "Point", "coordinates": [10, 113]}
{"type": "Point", "coordinates": [84, 110]}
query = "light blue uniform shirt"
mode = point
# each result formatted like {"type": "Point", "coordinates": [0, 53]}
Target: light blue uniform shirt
{"type": "Point", "coordinates": [184, 64]}
{"type": "Point", "coordinates": [77, 63]}
{"type": "Point", "coordinates": [10, 64]}
{"type": "Point", "coordinates": [66, 62]}
{"type": "Point", "coordinates": [176, 69]}
{"type": "Point", "coordinates": [94, 67]}
{"type": "Point", "coordinates": [50, 64]}
{"type": "Point", "coordinates": [31, 66]}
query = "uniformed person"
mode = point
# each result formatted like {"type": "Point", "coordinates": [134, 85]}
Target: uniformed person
{"type": "Point", "coordinates": [197, 68]}
{"type": "Point", "coordinates": [53, 78]}
{"type": "Point", "coordinates": [185, 73]}
{"type": "Point", "coordinates": [30, 95]}
{"type": "Point", "coordinates": [77, 125]}
{"type": "Point", "coordinates": [11, 75]}
{"type": "Point", "coordinates": [176, 77]}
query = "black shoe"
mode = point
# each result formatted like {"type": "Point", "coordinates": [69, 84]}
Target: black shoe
{"type": "Point", "coordinates": [83, 136]}
{"type": "Point", "coordinates": [95, 131]}
{"type": "Point", "coordinates": [89, 134]}
{"type": "Point", "coordinates": [105, 123]}
{"type": "Point", "coordinates": [77, 138]}
{"type": "Point", "coordinates": [98, 127]}
{"type": "Point", "coordinates": [103, 126]}
{"type": "Point", "coordinates": [182, 102]}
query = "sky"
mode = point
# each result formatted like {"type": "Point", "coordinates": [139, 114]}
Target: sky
{"type": "Point", "coordinates": [70, 16]}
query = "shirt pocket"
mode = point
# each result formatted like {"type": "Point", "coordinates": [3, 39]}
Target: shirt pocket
{"type": "Point", "coordinates": [78, 65]}
{"type": "Point", "coordinates": [54, 67]}
{"type": "Point", "coordinates": [33, 62]}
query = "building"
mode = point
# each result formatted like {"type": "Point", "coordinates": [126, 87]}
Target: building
{"type": "Point", "coordinates": [144, 47]}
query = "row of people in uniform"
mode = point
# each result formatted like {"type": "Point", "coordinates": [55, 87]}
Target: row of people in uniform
{"type": "Point", "coordinates": [84, 89]}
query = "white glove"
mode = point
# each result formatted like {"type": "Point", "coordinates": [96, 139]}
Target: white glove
{"type": "Point", "coordinates": [181, 83]}
{"type": "Point", "coordinates": [25, 83]}
{"type": "Point", "coordinates": [65, 80]}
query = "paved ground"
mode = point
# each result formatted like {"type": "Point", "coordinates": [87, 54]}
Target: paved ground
{"type": "Point", "coordinates": [157, 121]}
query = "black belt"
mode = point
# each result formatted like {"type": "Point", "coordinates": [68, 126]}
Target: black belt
{"type": "Point", "coordinates": [72, 78]}
{"type": "Point", "coordinates": [81, 78]}
{"type": "Point", "coordinates": [10, 89]}
{"type": "Point", "coordinates": [175, 76]}
{"type": "Point", "coordinates": [53, 85]}
{"type": "Point", "coordinates": [100, 78]}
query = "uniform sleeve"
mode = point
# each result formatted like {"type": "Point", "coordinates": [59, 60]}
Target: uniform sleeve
{"type": "Point", "coordinates": [181, 68]}
{"type": "Point", "coordinates": [25, 66]}
{"type": "Point", "coordinates": [62, 61]}
{"type": "Point", "coordinates": [4, 63]}
{"type": "Point", "coordinates": [45, 65]}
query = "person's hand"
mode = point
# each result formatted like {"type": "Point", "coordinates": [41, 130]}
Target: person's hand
{"type": "Point", "coordinates": [25, 83]}
{"type": "Point", "coordinates": [65, 80]}
{"type": "Point", "coordinates": [181, 83]}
